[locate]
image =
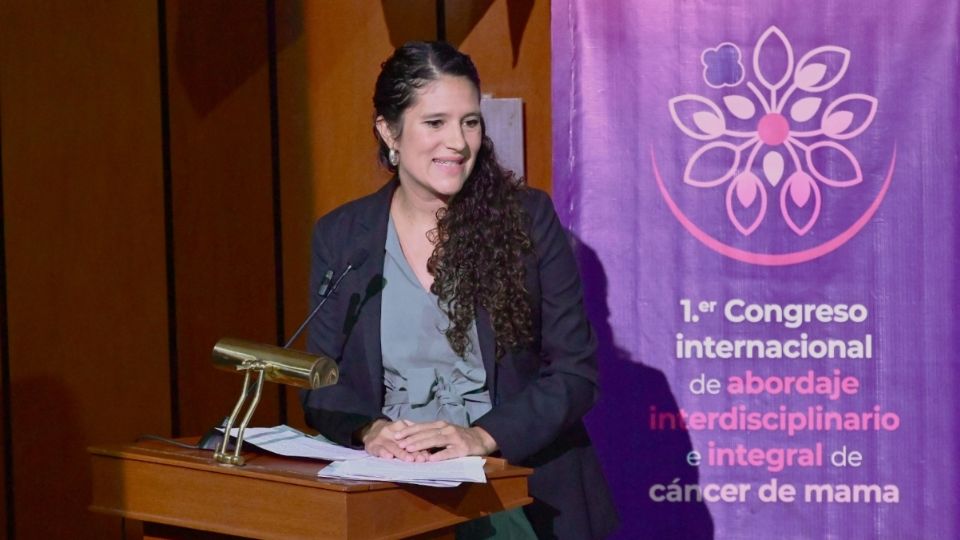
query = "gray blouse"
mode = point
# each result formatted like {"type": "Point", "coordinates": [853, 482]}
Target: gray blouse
{"type": "Point", "coordinates": [423, 378]}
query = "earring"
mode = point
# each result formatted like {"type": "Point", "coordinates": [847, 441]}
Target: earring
{"type": "Point", "coordinates": [394, 157]}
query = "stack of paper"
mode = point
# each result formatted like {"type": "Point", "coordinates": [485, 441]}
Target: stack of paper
{"type": "Point", "coordinates": [286, 441]}
{"type": "Point", "coordinates": [353, 464]}
{"type": "Point", "coordinates": [448, 473]}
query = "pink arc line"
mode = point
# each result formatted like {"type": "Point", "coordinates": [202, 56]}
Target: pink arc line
{"type": "Point", "coordinates": [774, 259]}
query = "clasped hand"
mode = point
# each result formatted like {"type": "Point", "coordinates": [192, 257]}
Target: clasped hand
{"type": "Point", "coordinates": [429, 441]}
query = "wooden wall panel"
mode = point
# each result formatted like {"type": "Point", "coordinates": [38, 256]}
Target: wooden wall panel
{"type": "Point", "coordinates": [4, 393]}
{"type": "Point", "coordinates": [83, 218]}
{"type": "Point", "coordinates": [295, 176]}
{"type": "Point", "coordinates": [510, 43]}
{"type": "Point", "coordinates": [222, 199]}
{"type": "Point", "coordinates": [344, 47]}
{"type": "Point", "coordinates": [328, 154]}
{"type": "Point", "coordinates": [5, 523]}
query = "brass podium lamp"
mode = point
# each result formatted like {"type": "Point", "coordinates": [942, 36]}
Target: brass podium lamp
{"type": "Point", "coordinates": [277, 364]}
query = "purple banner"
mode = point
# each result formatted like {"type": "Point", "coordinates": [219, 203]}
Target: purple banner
{"type": "Point", "coordinates": [763, 196]}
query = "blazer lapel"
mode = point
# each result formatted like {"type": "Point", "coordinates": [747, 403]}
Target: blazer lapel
{"type": "Point", "coordinates": [488, 350]}
{"type": "Point", "coordinates": [373, 221]}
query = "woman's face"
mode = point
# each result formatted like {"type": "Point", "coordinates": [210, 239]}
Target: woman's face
{"type": "Point", "coordinates": [439, 140]}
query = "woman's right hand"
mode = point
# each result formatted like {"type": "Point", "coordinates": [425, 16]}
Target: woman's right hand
{"type": "Point", "coordinates": [379, 440]}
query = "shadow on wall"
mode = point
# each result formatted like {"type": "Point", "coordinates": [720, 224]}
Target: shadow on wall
{"type": "Point", "coordinates": [633, 456]}
{"type": "Point", "coordinates": [51, 491]}
{"type": "Point", "coordinates": [231, 34]}
{"type": "Point", "coordinates": [460, 20]}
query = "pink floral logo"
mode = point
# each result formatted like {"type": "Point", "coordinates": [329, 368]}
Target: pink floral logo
{"type": "Point", "coordinates": [775, 141]}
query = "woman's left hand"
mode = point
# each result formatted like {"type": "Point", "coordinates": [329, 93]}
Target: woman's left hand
{"type": "Point", "coordinates": [452, 440]}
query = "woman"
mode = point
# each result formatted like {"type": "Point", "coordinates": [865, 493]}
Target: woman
{"type": "Point", "coordinates": [463, 332]}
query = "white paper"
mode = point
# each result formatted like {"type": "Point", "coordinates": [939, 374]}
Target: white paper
{"type": "Point", "coordinates": [351, 464]}
{"type": "Point", "coordinates": [448, 473]}
{"type": "Point", "coordinates": [286, 441]}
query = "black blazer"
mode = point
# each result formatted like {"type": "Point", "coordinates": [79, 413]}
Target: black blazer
{"type": "Point", "coordinates": [539, 394]}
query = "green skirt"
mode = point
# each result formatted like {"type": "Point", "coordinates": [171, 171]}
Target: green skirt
{"type": "Point", "coordinates": [507, 525]}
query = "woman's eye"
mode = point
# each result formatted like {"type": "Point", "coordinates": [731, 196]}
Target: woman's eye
{"type": "Point", "coordinates": [434, 123]}
{"type": "Point", "coordinates": [472, 123]}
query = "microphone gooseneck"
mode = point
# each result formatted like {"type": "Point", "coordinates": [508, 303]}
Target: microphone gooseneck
{"type": "Point", "coordinates": [357, 258]}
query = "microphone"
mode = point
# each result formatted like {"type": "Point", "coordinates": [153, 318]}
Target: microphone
{"type": "Point", "coordinates": [325, 283]}
{"type": "Point", "coordinates": [355, 261]}
{"type": "Point", "coordinates": [281, 365]}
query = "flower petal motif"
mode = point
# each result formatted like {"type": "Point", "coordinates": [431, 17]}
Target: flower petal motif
{"type": "Point", "coordinates": [773, 168]}
{"type": "Point", "coordinates": [800, 189]}
{"type": "Point", "coordinates": [746, 186]}
{"type": "Point", "coordinates": [692, 124]}
{"type": "Point", "coordinates": [711, 164]}
{"type": "Point", "coordinates": [804, 109]}
{"type": "Point", "coordinates": [800, 186]}
{"type": "Point", "coordinates": [828, 146]}
{"type": "Point", "coordinates": [836, 123]}
{"type": "Point", "coordinates": [709, 123]}
{"type": "Point", "coordinates": [740, 106]}
{"type": "Point", "coordinates": [811, 75]}
{"type": "Point", "coordinates": [764, 48]}
{"type": "Point", "coordinates": [746, 193]}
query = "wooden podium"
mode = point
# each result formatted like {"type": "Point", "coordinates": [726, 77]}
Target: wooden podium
{"type": "Point", "coordinates": [184, 493]}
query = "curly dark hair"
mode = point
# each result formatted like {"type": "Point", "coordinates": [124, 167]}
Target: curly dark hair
{"type": "Point", "coordinates": [481, 237]}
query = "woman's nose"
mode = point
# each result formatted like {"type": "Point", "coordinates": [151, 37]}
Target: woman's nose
{"type": "Point", "coordinates": [455, 138]}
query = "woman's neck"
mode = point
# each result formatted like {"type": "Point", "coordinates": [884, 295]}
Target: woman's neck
{"type": "Point", "coordinates": [418, 212]}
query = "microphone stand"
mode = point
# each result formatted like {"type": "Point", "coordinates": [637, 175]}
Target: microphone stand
{"type": "Point", "coordinates": [250, 358]}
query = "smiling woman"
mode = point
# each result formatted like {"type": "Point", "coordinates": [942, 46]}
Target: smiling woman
{"type": "Point", "coordinates": [464, 332]}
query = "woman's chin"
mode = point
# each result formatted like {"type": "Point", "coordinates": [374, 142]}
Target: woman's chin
{"type": "Point", "coordinates": [447, 188]}
{"type": "Point", "coordinates": [440, 187]}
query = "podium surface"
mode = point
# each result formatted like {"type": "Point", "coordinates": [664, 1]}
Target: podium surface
{"type": "Point", "coordinates": [184, 493]}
